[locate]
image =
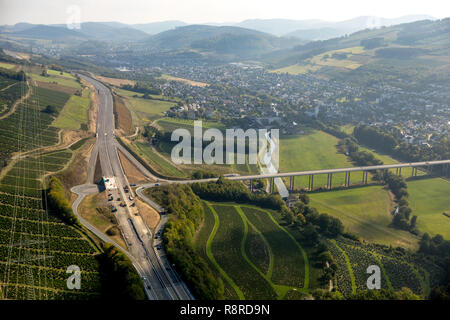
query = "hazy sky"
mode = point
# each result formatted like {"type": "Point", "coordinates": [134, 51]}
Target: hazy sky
{"type": "Point", "coordinates": [201, 11]}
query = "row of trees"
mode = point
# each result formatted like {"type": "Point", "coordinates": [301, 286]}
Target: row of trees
{"type": "Point", "coordinates": [227, 190]}
{"type": "Point", "coordinates": [142, 87]}
{"type": "Point", "coordinates": [402, 215]}
{"type": "Point", "coordinates": [19, 76]}
{"type": "Point", "coordinates": [118, 277]}
{"type": "Point", "coordinates": [58, 203]}
{"type": "Point", "coordinates": [186, 215]}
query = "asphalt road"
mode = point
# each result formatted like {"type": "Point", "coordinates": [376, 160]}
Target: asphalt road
{"type": "Point", "coordinates": [156, 272]}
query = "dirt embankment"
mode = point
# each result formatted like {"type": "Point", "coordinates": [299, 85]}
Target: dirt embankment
{"type": "Point", "coordinates": [77, 172]}
{"type": "Point", "coordinates": [132, 173]}
{"type": "Point", "coordinates": [95, 209]}
{"type": "Point", "coordinates": [115, 81]}
{"type": "Point", "coordinates": [122, 116]}
{"type": "Point", "coordinates": [148, 214]}
{"type": "Point", "coordinates": [92, 112]}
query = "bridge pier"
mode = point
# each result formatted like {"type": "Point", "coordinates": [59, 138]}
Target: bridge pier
{"type": "Point", "coordinates": [329, 181]}
{"type": "Point", "coordinates": [292, 183]}
{"type": "Point", "coordinates": [272, 185]}
{"type": "Point", "coordinates": [311, 182]}
{"type": "Point", "coordinates": [347, 179]}
{"type": "Point", "coordinates": [251, 186]}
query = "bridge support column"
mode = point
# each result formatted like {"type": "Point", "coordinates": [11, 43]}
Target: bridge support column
{"type": "Point", "coordinates": [311, 182]}
{"type": "Point", "coordinates": [400, 171]}
{"type": "Point", "coordinates": [291, 183]}
{"type": "Point", "coordinates": [396, 171]}
{"type": "Point", "coordinates": [348, 179]}
{"type": "Point", "coordinates": [329, 181]}
{"type": "Point", "coordinates": [272, 183]}
{"type": "Point", "coordinates": [251, 186]}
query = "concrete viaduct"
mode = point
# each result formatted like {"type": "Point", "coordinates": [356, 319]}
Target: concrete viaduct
{"type": "Point", "coordinates": [347, 171]}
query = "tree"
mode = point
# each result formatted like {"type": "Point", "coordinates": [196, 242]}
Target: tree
{"type": "Point", "coordinates": [49, 109]}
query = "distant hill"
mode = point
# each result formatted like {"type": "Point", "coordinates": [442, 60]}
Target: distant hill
{"type": "Point", "coordinates": [48, 33]}
{"type": "Point", "coordinates": [111, 32]}
{"type": "Point", "coordinates": [221, 40]}
{"type": "Point", "coordinates": [322, 30]}
{"type": "Point", "coordinates": [401, 48]}
{"type": "Point", "coordinates": [157, 27]}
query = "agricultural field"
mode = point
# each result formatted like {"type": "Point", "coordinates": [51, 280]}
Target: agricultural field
{"type": "Point", "coordinates": [399, 268]}
{"type": "Point", "coordinates": [158, 162]}
{"type": "Point", "coordinates": [187, 81]}
{"type": "Point", "coordinates": [10, 91]}
{"type": "Point", "coordinates": [74, 115]}
{"type": "Point", "coordinates": [329, 58]}
{"type": "Point", "coordinates": [296, 69]}
{"type": "Point", "coordinates": [312, 151]}
{"type": "Point", "coordinates": [159, 157]}
{"type": "Point", "coordinates": [145, 110]}
{"type": "Point", "coordinates": [29, 127]}
{"type": "Point", "coordinates": [429, 199]}
{"type": "Point", "coordinates": [58, 79]}
{"type": "Point", "coordinates": [36, 247]}
{"type": "Point", "coordinates": [254, 255]}
{"type": "Point", "coordinates": [7, 65]}
{"type": "Point", "coordinates": [366, 212]}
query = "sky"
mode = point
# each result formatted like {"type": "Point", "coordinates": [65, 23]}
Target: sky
{"type": "Point", "coordinates": [203, 11]}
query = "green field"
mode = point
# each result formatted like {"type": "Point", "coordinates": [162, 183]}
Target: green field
{"type": "Point", "coordinates": [7, 65]}
{"type": "Point", "coordinates": [58, 73]}
{"type": "Point", "coordinates": [428, 199]}
{"type": "Point", "coordinates": [296, 69]}
{"type": "Point", "coordinates": [312, 151]}
{"type": "Point", "coordinates": [255, 256]}
{"type": "Point", "coordinates": [145, 110]}
{"type": "Point", "coordinates": [64, 81]}
{"type": "Point", "coordinates": [157, 162]}
{"type": "Point", "coordinates": [74, 113]}
{"type": "Point", "coordinates": [366, 212]}
{"type": "Point", "coordinates": [171, 124]}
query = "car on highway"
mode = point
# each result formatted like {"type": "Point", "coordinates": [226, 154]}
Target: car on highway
{"type": "Point", "coordinates": [132, 184]}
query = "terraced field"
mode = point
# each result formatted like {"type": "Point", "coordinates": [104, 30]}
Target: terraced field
{"type": "Point", "coordinates": [255, 256]}
{"type": "Point", "coordinates": [35, 246]}
{"type": "Point", "coordinates": [398, 268]}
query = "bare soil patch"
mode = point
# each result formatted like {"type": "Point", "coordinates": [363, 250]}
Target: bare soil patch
{"type": "Point", "coordinates": [132, 173]}
{"type": "Point", "coordinates": [115, 81]}
{"type": "Point", "coordinates": [148, 214]}
{"type": "Point", "coordinates": [122, 115]}
{"type": "Point", "coordinates": [95, 209]}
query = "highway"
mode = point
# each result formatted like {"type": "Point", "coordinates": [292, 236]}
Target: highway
{"type": "Point", "coordinates": [158, 275]}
